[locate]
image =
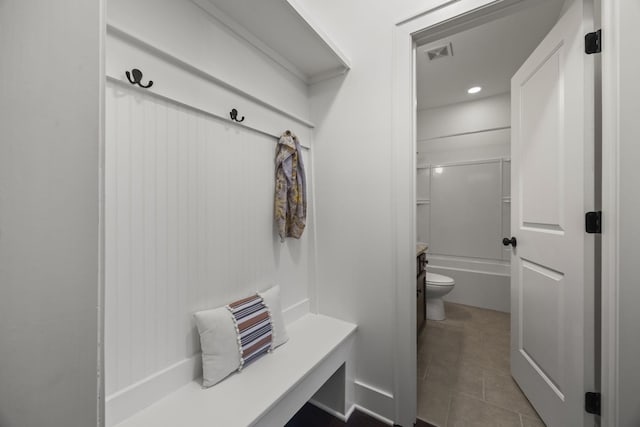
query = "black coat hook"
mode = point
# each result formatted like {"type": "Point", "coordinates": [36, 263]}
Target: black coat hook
{"type": "Point", "coordinates": [137, 78]}
{"type": "Point", "coordinates": [234, 116]}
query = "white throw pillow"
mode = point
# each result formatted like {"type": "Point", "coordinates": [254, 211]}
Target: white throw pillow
{"type": "Point", "coordinates": [219, 337]}
{"type": "Point", "coordinates": [271, 299]}
{"type": "Point", "coordinates": [219, 342]}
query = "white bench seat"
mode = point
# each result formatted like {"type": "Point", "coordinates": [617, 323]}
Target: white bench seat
{"type": "Point", "coordinates": [267, 392]}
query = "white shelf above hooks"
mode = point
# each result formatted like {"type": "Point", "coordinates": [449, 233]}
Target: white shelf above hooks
{"type": "Point", "coordinates": [283, 31]}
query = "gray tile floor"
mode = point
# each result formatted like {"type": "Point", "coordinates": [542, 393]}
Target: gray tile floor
{"type": "Point", "coordinates": [463, 372]}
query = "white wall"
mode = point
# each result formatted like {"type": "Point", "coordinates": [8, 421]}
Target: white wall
{"type": "Point", "coordinates": [189, 198]}
{"type": "Point", "coordinates": [353, 159]}
{"type": "Point", "coordinates": [482, 114]}
{"type": "Point", "coordinates": [465, 209]}
{"type": "Point", "coordinates": [50, 103]}
{"type": "Point", "coordinates": [474, 130]}
{"type": "Point", "coordinates": [354, 164]}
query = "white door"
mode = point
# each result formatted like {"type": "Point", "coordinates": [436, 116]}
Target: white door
{"type": "Point", "coordinates": [552, 264]}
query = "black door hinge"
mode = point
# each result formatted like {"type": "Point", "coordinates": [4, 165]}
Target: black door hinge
{"type": "Point", "coordinates": [592, 403]}
{"type": "Point", "coordinates": [593, 222]}
{"type": "Point", "coordinates": [593, 42]}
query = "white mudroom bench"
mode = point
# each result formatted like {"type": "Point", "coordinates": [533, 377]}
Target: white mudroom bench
{"type": "Point", "coordinates": [271, 390]}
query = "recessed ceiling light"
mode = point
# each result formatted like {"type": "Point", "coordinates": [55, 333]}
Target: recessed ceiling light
{"type": "Point", "coordinates": [474, 89]}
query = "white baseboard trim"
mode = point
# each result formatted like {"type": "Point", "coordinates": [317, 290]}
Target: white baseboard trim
{"type": "Point", "coordinates": [345, 417]}
{"type": "Point", "coordinates": [126, 402]}
{"type": "Point", "coordinates": [350, 412]}
{"type": "Point", "coordinates": [342, 417]}
{"type": "Point", "coordinates": [368, 397]}
{"type": "Point", "coordinates": [374, 415]}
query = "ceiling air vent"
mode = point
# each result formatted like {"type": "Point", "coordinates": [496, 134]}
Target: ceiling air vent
{"type": "Point", "coordinates": [439, 52]}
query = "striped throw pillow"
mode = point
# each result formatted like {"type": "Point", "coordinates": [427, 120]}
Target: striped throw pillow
{"type": "Point", "coordinates": [253, 327]}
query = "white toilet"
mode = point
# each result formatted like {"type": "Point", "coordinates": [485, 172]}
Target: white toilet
{"type": "Point", "coordinates": [437, 287]}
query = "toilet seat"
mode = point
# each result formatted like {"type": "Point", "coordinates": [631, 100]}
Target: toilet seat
{"type": "Point", "coordinates": [434, 279]}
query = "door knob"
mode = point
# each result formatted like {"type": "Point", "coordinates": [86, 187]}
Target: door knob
{"type": "Point", "coordinates": [512, 241]}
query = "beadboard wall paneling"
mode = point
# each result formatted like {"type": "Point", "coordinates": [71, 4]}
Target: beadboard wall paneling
{"type": "Point", "coordinates": [189, 226]}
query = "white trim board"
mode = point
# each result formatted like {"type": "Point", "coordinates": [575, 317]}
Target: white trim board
{"type": "Point", "coordinates": [146, 48]}
{"type": "Point", "coordinates": [145, 92]}
{"type": "Point", "coordinates": [464, 163]}
{"type": "Point", "coordinates": [453, 135]}
{"type": "Point", "coordinates": [369, 396]}
{"type": "Point", "coordinates": [611, 128]}
{"type": "Point", "coordinates": [472, 146]}
{"type": "Point", "coordinates": [100, 363]}
{"type": "Point", "coordinates": [342, 417]}
{"type": "Point", "coordinates": [132, 399]}
{"type": "Point", "coordinates": [375, 415]}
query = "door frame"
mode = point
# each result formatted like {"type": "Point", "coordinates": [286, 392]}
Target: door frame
{"type": "Point", "coordinates": [610, 20]}
{"type": "Point", "coordinates": [440, 21]}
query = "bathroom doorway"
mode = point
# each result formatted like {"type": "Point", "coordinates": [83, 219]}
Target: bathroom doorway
{"type": "Point", "coordinates": [463, 210]}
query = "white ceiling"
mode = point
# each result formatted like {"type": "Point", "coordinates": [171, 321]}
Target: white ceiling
{"type": "Point", "coordinates": [487, 56]}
